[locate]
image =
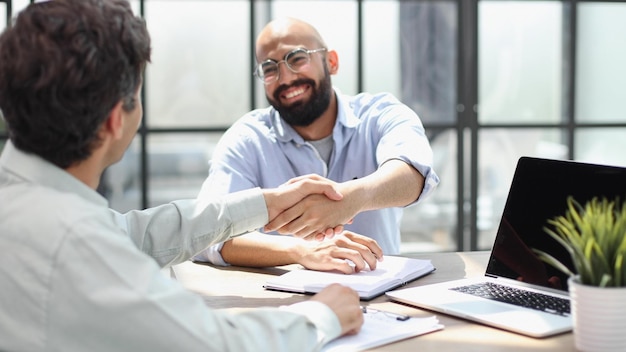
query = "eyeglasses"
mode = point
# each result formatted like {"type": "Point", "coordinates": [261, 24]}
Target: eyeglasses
{"type": "Point", "coordinates": [296, 60]}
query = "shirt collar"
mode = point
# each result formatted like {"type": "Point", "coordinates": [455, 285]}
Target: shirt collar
{"type": "Point", "coordinates": [35, 169]}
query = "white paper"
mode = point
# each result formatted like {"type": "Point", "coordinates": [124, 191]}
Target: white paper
{"type": "Point", "coordinates": [379, 329]}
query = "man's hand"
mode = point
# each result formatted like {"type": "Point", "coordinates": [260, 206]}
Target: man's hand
{"type": "Point", "coordinates": [394, 184]}
{"type": "Point", "coordinates": [313, 216]}
{"type": "Point", "coordinates": [285, 197]}
{"type": "Point", "coordinates": [318, 215]}
{"type": "Point", "coordinates": [332, 253]}
{"type": "Point", "coordinates": [257, 249]}
{"type": "Point", "coordinates": [345, 303]}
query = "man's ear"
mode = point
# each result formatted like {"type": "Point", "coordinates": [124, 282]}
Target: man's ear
{"type": "Point", "coordinates": [333, 61]}
{"type": "Point", "coordinates": [114, 124]}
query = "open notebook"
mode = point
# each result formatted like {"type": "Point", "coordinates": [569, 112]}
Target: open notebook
{"type": "Point", "coordinates": [392, 272]}
{"type": "Point", "coordinates": [539, 305]}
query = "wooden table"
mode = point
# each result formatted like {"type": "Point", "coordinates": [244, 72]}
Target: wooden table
{"type": "Point", "coordinates": [242, 288]}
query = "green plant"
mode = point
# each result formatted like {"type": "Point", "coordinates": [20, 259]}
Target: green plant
{"type": "Point", "coordinates": [595, 237]}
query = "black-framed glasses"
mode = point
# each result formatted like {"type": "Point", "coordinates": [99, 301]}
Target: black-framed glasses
{"type": "Point", "coordinates": [296, 60]}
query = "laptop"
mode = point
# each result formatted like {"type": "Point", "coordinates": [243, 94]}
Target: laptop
{"type": "Point", "coordinates": [538, 192]}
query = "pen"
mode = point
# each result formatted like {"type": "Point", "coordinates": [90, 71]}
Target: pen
{"type": "Point", "coordinates": [399, 317]}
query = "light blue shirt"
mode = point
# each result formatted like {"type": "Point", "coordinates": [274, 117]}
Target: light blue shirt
{"type": "Point", "coordinates": [78, 277]}
{"type": "Point", "coordinates": [261, 150]}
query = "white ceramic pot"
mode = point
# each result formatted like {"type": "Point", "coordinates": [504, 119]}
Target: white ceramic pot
{"type": "Point", "coordinates": [599, 316]}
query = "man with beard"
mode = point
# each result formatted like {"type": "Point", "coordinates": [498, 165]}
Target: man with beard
{"type": "Point", "coordinates": [372, 145]}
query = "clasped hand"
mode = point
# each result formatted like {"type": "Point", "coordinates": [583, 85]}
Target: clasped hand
{"type": "Point", "coordinates": [320, 213]}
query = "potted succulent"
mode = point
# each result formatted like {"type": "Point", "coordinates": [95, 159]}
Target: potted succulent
{"type": "Point", "coordinates": [595, 236]}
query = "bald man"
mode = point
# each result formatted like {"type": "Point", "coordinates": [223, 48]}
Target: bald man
{"type": "Point", "coordinates": [373, 146]}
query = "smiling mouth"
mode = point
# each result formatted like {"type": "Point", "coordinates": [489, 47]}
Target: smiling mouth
{"type": "Point", "coordinates": [294, 93]}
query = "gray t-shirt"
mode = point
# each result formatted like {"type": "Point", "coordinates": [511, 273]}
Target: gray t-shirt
{"type": "Point", "coordinates": [324, 147]}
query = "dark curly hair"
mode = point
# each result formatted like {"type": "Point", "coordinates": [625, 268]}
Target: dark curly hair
{"type": "Point", "coordinates": [64, 65]}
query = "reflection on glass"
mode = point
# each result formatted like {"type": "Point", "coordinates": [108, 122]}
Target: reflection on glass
{"type": "Point", "coordinates": [428, 44]}
{"type": "Point", "coordinates": [498, 153]}
{"type": "Point", "coordinates": [19, 5]}
{"type": "Point", "coordinates": [200, 71]}
{"type": "Point", "coordinates": [419, 67]}
{"type": "Point", "coordinates": [520, 61]}
{"type": "Point", "coordinates": [135, 6]}
{"type": "Point", "coordinates": [601, 146]}
{"type": "Point", "coordinates": [381, 56]}
{"type": "Point", "coordinates": [431, 224]}
{"type": "Point", "coordinates": [120, 182]}
{"type": "Point", "coordinates": [2, 123]}
{"type": "Point", "coordinates": [178, 165]}
{"type": "Point", "coordinates": [3, 16]}
{"type": "Point", "coordinates": [600, 69]}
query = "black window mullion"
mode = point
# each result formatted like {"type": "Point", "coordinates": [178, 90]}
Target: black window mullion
{"type": "Point", "coordinates": [144, 175]}
{"type": "Point", "coordinates": [467, 121]}
{"type": "Point", "coordinates": [572, 26]}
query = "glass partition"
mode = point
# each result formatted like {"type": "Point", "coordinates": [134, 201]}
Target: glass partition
{"type": "Point", "coordinates": [601, 145]}
{"type": "Point", "coordinates": [600, 58]}
{"type": "Point", "coordinates": [200, 69]}
{"type": "Point", "coordinates": [498, 152]}
{"type": "Point", "coordinates": [520, 61]}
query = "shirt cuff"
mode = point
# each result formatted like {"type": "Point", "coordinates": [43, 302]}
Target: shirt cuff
{"type": "Point", "coordinates": [247, 210]}
{"type": "Point", "coordinates": [211, 255]}
{"type": "Point", "coordinates": [320, 315]}
{"type": "Point", "coordinates": [431, 181]}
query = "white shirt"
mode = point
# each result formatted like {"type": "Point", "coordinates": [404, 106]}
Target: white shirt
{"type": "Point", "coordinates": [73, 280]}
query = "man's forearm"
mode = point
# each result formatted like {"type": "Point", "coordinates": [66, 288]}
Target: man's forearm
{"type": "Point", "coordinates": [260, 250]}
{"type": "Point", "coordinates": [394, 184]}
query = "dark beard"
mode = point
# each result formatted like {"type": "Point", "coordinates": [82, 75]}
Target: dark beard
{"type": "Point", "coordinates": [304, 113]}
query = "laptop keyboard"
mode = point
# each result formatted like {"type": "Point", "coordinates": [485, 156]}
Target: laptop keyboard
{"type": "Point", "coordinates": [528, 299]}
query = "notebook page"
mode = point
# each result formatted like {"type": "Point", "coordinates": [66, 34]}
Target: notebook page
{"type": "Point", "coordinates": [380, 329]}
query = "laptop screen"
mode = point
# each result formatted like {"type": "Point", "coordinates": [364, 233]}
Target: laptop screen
{"type": "Point", "coordinates": [539, 192]}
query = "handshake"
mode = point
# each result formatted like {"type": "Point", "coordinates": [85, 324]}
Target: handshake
{"type": "Point", "coordinates": [309, 207]}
